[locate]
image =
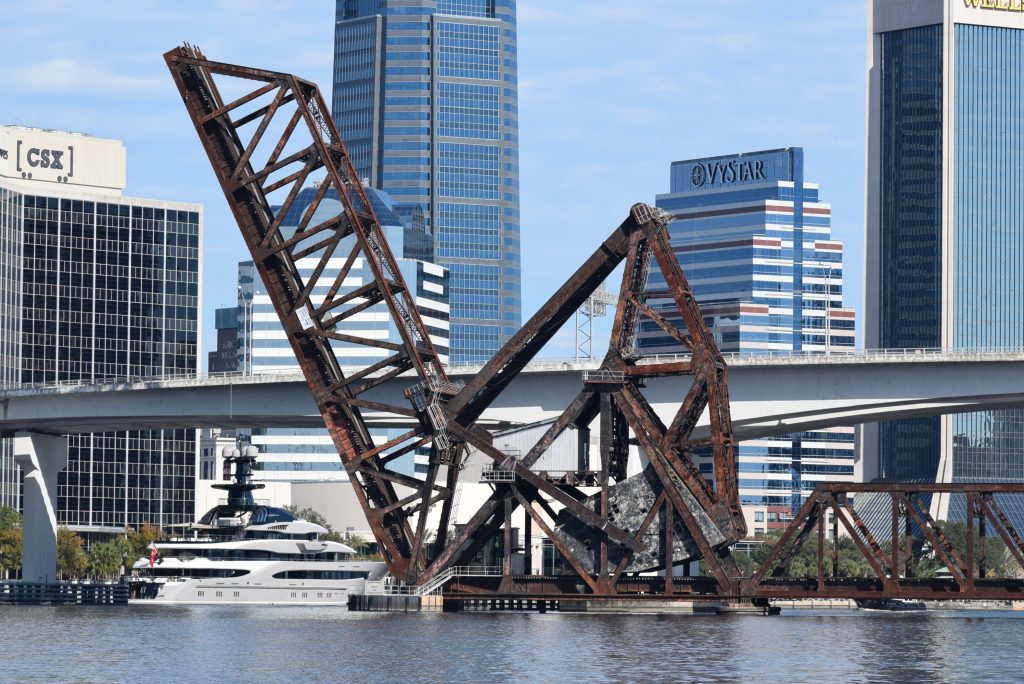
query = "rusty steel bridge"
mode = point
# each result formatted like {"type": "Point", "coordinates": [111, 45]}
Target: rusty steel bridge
{"type": "Point", "coordinates": [277, 137]}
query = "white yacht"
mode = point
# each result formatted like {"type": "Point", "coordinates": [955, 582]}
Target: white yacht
{"type": "Point", "coordinates": [245, 552]}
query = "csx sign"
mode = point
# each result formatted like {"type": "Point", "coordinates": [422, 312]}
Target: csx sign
{"type": "Point", "coordinates": [48, 159]}
{"type": "Point", "coordinates": [33, 159]}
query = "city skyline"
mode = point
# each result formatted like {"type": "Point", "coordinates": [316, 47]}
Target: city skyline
{"type": "Point", "coordinates": [597, 127]}
{"type": "Point", "coordinates": [944, 225]}
{"type": "Point", "coordinates": [105, 286]}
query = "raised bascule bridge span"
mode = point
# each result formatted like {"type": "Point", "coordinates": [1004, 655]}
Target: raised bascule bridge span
{"type": "Point", "coordinates": [623, 537]}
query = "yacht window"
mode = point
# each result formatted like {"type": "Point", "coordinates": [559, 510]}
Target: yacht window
{"type": "Point", "coordinates": [321, 574]}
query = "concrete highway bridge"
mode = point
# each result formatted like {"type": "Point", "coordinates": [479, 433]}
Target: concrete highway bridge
{"type": "Point", "coordinates": [769, 395]}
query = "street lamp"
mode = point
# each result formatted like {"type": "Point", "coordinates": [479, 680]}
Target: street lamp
{"type": "Point", "coordinates": [828, 310]}
{"type": "Point", "coordinates": [248, 307]}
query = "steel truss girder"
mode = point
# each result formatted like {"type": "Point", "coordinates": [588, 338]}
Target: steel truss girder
{"type": "Point", "coordinates": [893, 570]}
{"type": "Point", "coordinates": [277, 137]}
{"type": "Point", "coordinates": [640, 237]}
{"type": "Point", "coordinates": [251, 164]}
{"type": "Point", "coordinates": [254, 160]}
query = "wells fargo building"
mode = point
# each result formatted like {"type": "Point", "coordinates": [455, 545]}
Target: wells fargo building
{"type": "Point", "coordinates": [945, 218]}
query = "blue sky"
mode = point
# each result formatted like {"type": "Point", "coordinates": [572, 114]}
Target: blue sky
{"type": "Point", "coordinates": [611, 93]}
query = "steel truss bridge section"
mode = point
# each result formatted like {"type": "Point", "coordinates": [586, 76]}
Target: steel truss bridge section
{"type": "Point", "coordinates": [827, 517]}
{"type": "Point", "coordinates": [274, 138]}
{"type": "Point", "coordinates": [893, 561]}
{"type": "Point", "coordinates": [268, 143]}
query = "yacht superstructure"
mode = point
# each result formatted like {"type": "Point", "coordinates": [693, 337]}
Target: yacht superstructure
{"type": "Point", "coordinates": [242, 551]}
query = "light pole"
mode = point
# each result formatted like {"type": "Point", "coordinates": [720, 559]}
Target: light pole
{"type": "Point", "coordinates": [828, 311]}
{"type": "Point", "coordinates": [248, 308]}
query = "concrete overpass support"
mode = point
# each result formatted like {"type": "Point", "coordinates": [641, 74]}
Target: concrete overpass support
{"type": "Point", "coordinates": [41, 457]}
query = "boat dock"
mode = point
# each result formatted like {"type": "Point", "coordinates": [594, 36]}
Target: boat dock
{"type": "Point", "coordinates": [63, 593]}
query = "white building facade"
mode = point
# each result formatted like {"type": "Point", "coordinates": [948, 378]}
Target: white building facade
{"type": "Point", "coordinates": [302, 455]}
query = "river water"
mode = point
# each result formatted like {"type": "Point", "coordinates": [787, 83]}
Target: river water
{"type": "Point", "coordinates": [227, 644]}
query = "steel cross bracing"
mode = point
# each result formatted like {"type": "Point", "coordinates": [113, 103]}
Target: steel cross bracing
{"type": "Point", "coordinates": [276, 137]}
{"type": "Point", "coordinates": [829, 515]}
{"type": "Point", "coordinates": [273, 140]}
{"type": "Point", "coordinates": [252, 164]}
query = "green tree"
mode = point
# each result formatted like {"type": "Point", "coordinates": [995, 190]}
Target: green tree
{"type": "Point", "coordinates": [10, 552]}
{"type": "Point", "coordinates": [309, 515]}
{"type": "Point", "coordinates": [997, 559]}
{"type": "Point", "coordinates": [138, 541]}
{"type": "Point", "coordinates": [746, 563]}
{"type": "Point", "coordinates": [805, 562]}
{"type": "Point", "coordinates": [72, 560]}
{"type": "Point", "coordinates": [360, 544]}
{"type": "Point", "coordinates": [333, 536]}
{"type": "Point", "coordinates": [105, 558]}
{"type": "Point", "coordinates": [9, 518]}
{"type": "Point", "coordinates": [10, 541]}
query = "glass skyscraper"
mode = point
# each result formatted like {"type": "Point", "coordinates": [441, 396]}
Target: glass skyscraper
{"type": "Point", "coordinates": [755, 242]}
{"type": "Point", "coordinates": [98, 286]}
{"type": "Point", "coordinates": [945, 220]}
{"type": "Point", "coordinates": [426, 100]}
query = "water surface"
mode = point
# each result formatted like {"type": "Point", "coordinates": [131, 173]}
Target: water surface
{"type": "Point", "coordinates": [296, 644]}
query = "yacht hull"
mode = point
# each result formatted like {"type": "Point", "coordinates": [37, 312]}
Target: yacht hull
{"type": "Point", "coordinates": [197, 591]}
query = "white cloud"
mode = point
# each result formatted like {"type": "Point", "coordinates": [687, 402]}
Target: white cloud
{"type": "Point", "coordinates": [71, 75]}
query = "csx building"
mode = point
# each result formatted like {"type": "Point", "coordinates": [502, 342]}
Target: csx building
{"type": "Point", "coordinates": [97, 286]}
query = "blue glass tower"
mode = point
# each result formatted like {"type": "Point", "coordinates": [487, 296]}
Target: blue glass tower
{"type": "Point", "coordinates": [945, 220]}
{"type": "Point", "coordinates": [425, 98]}
{"type": "Point", "coordinates": [755, 242]}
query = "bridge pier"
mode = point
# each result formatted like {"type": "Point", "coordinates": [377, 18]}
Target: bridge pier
{"type": "Point", "coordinates": [41, 457]}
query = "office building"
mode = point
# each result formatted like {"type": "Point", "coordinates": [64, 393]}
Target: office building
{"type": "Point", "coordinates": [98, 286]}
{"type": "Point", "coordinates": [755, 243]}
{"type": "Point", "coordinates": [225, 358]}
{"type": "Point", "coordinates": [425, 98]}
{"type": "Point", "coordinates": [945, 219]}
{"type": "Point", "coordinates": [297, 454]}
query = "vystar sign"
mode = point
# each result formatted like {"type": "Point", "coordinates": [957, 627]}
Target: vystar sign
{"type": "Point", "coordinates": [727, 173]}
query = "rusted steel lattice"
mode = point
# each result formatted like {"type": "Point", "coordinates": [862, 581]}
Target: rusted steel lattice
{"type": "Point", "coordinates": [828, 515]}
{"type": "Point", "coordinates": [251, 165]}
{"type": "Point", "coordinates": [277, 136]}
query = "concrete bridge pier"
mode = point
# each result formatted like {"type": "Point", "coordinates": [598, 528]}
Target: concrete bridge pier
{"type": "Point", "coordinates": [41, 457]}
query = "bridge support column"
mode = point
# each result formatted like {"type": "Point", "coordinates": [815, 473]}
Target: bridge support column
{"type": "Point", "coordinates": [41, 457]}
{"type": "Point", "coordinates": [939, 508]}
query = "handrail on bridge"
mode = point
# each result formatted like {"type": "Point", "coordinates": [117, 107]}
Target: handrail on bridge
{"type": "Point", "coordinates": [433, 587]}
{"type": "Point", "coordinates": [586, 366]}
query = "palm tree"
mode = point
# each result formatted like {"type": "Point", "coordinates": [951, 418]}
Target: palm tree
{"type": "Point", "coordinates": [356, 542]}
